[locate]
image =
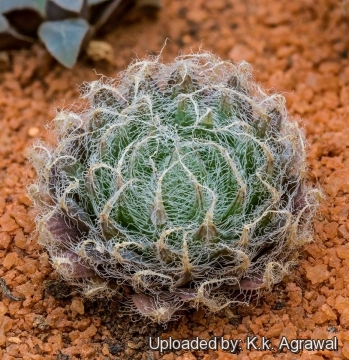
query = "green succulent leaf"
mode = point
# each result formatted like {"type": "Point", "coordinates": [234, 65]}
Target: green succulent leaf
{"type": "Point", "coordinates": [10, 5]}
{"type": "Point", "coordinates": [64, 39]}
{"type": "Point", "coordinates": [41, 4]}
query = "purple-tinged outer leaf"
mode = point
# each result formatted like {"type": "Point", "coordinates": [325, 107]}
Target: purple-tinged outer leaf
{"type": "Point", "coordinates": [144, 304]}
{"type": "Point", "coordinates": [147, 306]}
{"type": "Point", "coordinates": [59, 228]}
{"type": "Point", "coordinates": [186, 294]}
{"type": "Point", "coordinates": [64, 39]}
{"type": "Point", "coordinates": [251, 283]}
{"type": "Point", "coordinates": [73, 267]}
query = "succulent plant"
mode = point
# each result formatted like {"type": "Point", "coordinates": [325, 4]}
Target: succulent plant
{"type": "Point", "coordinates": [183, 183]}
{"type": "Point", "coordinates": [64, 26]}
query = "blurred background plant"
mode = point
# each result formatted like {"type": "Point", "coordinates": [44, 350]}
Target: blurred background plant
{"type": "Point", "coordinates": [345, 6]}
{"type": "Point", "coordinates": [65, 27]}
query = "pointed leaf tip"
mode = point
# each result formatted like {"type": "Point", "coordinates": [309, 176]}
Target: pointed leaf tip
{"type": "Point", "coordinates": [64, 38]}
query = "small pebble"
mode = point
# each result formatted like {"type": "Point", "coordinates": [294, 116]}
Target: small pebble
{"type": "Point", "coordinates": [33, 131]}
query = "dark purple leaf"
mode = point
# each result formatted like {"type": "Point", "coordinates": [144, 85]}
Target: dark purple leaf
{"type": "Point", "coordinates": [144, 304]}
{"type": "Point", "coordinates": [60, 9]}
{"type": "Point", "coordinates": [106, 15]}
{"type": "Point", "coordinates": [9, 38]}
{"type": "Point", "coordinates": [70, 265]}
{"type": "Point", "coordinates": [251, 283]}
{"type": "Point", "coordinates": [147, 306]}
{"type": "Point", "coordinates": [58, 226]}
{"type": "Point", "coordinates": [186, 294]}
{"type": "Point", "coordinates": [25, 21]}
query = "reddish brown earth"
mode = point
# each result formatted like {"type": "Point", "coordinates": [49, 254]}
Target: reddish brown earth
{"type": "Point", "coordinates": [299, 48]}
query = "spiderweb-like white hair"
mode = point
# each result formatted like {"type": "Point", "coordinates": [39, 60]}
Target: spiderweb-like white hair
{"type": "Point", "coordinates": [184, 181]}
